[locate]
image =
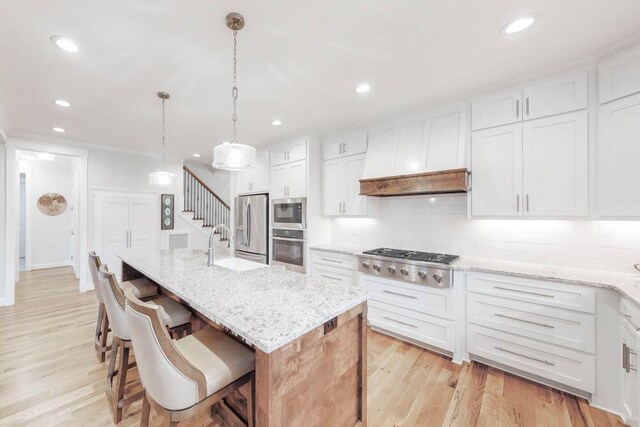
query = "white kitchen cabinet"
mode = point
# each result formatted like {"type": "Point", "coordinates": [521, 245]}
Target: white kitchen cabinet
{"type": "Point", "coordinates": [630, 380]}
{"type": "Point", "coordinates": [380, 152]}
{"type": "Point", "coordinates": [254, 179]}
{"type": "Point", "coordinates": [555, 96]}
{"type": "Point", "coordinates": [496, 109]}
{"type": "Point", "coordinates": [344, 145]}
{"type": "Point", "coordinates": [618, 154]}
{"type": "Point", "coordinates": [555, 166]}
{"type": "Point", "coordinates": [341, 186]}
{"type": "Point", "coordinates": [279, 180]}
{"type": "Point", "coordinates": [541, 99]}
{"type": "Point", "coordinates": [445, 138]}
{"type": "Point", "coordinates": [409, 148]}
{"type": "Point", "coordinates": [289, 180]}
{"type": "Point", "coordinates": [291, 152]}
{"type": "Point", "coordinates": [497, 171]}
{"type": "Point", "coordinates": [331, 265]}
{"type": "Point", "coordinates": [620, 75]}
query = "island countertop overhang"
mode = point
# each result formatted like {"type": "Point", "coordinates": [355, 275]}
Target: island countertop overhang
{"type": "Point", "coordinates": [268, 308]}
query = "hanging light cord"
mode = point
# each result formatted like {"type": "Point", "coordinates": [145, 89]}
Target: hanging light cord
{"type": "Point", "coordinates": [234, 90]}
{"type": "Point", "coordinates": [164, 157]}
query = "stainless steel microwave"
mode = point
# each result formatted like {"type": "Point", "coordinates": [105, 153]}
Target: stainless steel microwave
{"type": "Point", "coordinates": [289, 213]}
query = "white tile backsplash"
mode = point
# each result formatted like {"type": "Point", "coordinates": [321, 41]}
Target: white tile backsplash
{"type": "Point", "coordinates": [440, 224]}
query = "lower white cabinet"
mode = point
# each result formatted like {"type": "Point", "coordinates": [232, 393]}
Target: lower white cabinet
{"type": "Point", "coordinates": [331, 265]}
{"type": "Point", "coordinates": [630, 377]}
{"type": "Point", "coordinates": [341, 187]}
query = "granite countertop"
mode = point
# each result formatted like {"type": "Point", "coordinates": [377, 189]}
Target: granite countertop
{"type": "Point", "coordinates": [267, 307]}
{"type": "Point", "coordinates": [338, 249]}
{"type": "Point", "coordinates": [625, 283]}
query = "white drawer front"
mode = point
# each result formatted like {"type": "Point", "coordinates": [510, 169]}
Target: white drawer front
{"type": "Point", "coordinates": [631, 313]}
{"type": "Point", "coordinates": [333, 259]}
{"type": "Point", "coordinates": [436, 302]}
{"type": "Point", "coordinates": [555, 294]}
{"type": "Point", "coordinates": [420, 327]}
{"type": "Point", "coordinates": [548, 361]}
{"type": "Point", "coordinates": [347, 277]}
{"type": "Point", "coordinates": [548, 324]}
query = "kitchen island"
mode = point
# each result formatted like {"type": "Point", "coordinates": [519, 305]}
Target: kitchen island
{"type": "Point", "coordinates": [308, 333]}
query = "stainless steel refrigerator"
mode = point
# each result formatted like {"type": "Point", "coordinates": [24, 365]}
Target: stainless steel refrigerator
{"type": "Point", "coordinates": [252, 227]}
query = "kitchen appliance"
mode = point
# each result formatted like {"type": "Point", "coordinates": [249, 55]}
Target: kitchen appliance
{"type": "Point", "coordinates": [288, 248]}
{"type": "Point", "coordinates": [424, 268]}
{"type": "Point", "coordinates": [289, 213]}
{"type": "Point", "coordinates": [252, 228]}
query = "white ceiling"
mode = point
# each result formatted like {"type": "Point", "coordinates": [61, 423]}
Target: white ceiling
{"type": "Point", "coordinates": [299, 61]}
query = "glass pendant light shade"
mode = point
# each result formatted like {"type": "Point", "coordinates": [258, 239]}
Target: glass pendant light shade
{"type": "Point", "coordinates": [231, 156]}
{"type": "Point", "coordinates": [162, 179]}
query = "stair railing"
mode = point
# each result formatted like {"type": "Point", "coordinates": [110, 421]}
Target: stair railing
{"type": "Point", "coordinates": [205, 204]}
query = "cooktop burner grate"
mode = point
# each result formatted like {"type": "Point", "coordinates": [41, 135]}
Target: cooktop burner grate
{"type": "Point", "coordinates": [413, 255]}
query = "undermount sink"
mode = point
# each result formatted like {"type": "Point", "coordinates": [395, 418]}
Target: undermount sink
{"type": "Point", "coordinates": [238, 264]}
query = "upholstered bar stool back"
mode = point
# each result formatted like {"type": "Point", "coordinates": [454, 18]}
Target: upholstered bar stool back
{"type": "Point", "coordinates": [102, 323]}
{"type": "Point", "coordinates": [114, 302]}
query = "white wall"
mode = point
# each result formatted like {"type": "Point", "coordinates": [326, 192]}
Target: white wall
{"type": "Point", "coordinates": [219, 181]}
{"type": "Point", "coordinates": [3, 195]}
{"type": "Point", "coordinates": [440, 224]}
{"type": "Point", "coordinates": [50, 236]}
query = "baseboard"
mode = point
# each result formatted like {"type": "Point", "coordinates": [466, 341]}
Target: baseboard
{"type": "Point", "coordinates": [50, 265]}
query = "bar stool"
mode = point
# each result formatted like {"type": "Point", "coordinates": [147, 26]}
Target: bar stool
{"type": "Point", "coordinates": [184, 377]}
{"type": "Point", "coordinates": [174, 316]}
{"type": "Point", "coordinates": [102, 325]}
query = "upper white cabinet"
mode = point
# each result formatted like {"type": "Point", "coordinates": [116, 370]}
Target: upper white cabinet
{"type": "Point", "coordinates": [292, 152]}
{"type": "Point", "coordinates": [546, 98]}
{"type": "Point", "coordinates": [345, 145]}
{"type": "Point", "coordinates": [341, 186]}
{"type": "Point", "coordinates": [496, 109]}
{"type": "Point", "coordinates": [539, 168]}
{"type": "Point", "coordinates": [496, 161]}
{"type": "Point", "coordinates": [254, 179]}
{"type": "Point", "coordinates": [618, 153]}
{"type": "Point", "coordinates": [620, 75]}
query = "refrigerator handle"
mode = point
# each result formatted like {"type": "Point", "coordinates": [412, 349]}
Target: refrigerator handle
{"type": "Point", "coordinates": [248, 225]}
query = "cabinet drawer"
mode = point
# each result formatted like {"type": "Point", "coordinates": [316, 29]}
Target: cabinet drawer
{"type": "Point", "coordinates": [435, 302]}
{"type": "Point", "coordinates": [561, 365]}
{"type": "Point", "coordinates": [416, 326]}
{"type": "Point", "coordinates": [348, 277]}
{"type": "Point", "coordinates": [333, 259]}
{"type": "Point", "coordinates": [548, 324]}
{"type": "Point", "coordinates": [631, 313]}
{"type": "Point", "coordinates": [555, 294]}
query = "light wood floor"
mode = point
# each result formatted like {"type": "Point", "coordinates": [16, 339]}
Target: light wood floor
{"type": "Point", "coordinates": [49, 374]}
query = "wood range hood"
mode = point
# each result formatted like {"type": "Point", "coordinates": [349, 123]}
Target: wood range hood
{"type": "Point", "coordinates": [438, 182]}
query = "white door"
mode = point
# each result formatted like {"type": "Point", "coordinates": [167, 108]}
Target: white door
{"type": "Point", "coordinates": [496, 171]}
{"type": "Point", "coordinates": [380, 152]}
{"type": "Point", "coordinates": [496, 109]}
{"type": "Point", "coordinates": [444, 141]}
{"type": "Point", "coordinates": [297, 151]}
{"type": "Point", "coordinates": [260, 180]}
{"type": "Point", "coordinates": [555, 96]}
{"type": "Point", "coordinates": [115, 227]}
{"type": "Point", "coordinates": [409, 148]}
{"type": "Point", "coordinates": [354, 169]}
{"type": "Point", "coordinates": [619, 151]}
{"type": "Point", "coordinates": [555, 166]}
{"type": "Point", "coordinates": [244, 179]}
{"type": "Point", "coordinates": [141, 225]}
{"type": "Point", "coordinates": [333, 186]}
{"type": "Point", "coordinates": [297, 179]}
{"type": "Point", "coordinates": [279, 177]}
{"type": "Point", "coordinates": [23, 216]}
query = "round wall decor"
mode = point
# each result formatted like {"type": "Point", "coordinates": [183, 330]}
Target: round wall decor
{"type": "Point", "coordinates": [52, 204]}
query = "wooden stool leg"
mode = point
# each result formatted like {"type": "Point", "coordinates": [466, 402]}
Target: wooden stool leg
{"type": "Point", "coordinates": [122, 381]}
{"type": "Point", "coordinates": [112, 362]}
{"type": "Point", "coordinates": [146, 411]}
{"type": "Point", "coordinates": [98, 334]}
{"type": "Point", "coordinates": [251, 400]}
{"type": "Point", "coordinates": [103, 336]}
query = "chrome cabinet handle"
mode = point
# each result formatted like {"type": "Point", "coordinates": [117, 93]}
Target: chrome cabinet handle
{"type": "Point", "coordinates": [517, 203]}
{"type": "Point", "coordinates": [524, 292]}
{"type": "Point", "coordinates": [344, 147]}
{"type": "Point", "coordinates": [517, 108]}
{"type": "Point", "coordinates": [399, 294]}
{"type": "Point", "coordinates": [331, 260]}
{"type": "Point", "coordinates": [344, 207]}
{"type": "Point", "coordinates": [340, 148]}
{"type": "Point", "coordinates": [628, 318]}
{"type": "Point", "coordinates": [527, 106]}
{"type": "Point", "coordinates": [527, 203]}
{"type": "Point", "coordinates": [400, 321]}
{"type": "Point", "coordinates": [331, 277]}
{"type": "Point", "coordinates": [546, 362]}
{"type": "Point", "coordinates": [524, 320]}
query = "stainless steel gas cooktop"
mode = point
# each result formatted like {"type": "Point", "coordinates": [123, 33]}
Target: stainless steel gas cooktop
{"type": "Point", "coordinates": [425, 268]}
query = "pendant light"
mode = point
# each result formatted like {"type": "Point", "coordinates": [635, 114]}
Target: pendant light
{"type": "Point", "coordinates": [163, 178]}
{"type": "Point", "coordinates": [232, 156]}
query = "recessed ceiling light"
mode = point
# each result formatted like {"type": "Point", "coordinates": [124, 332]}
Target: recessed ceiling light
{"type": "Point", "coordinates": [62, 103]}
{"type": "Point", "coordinates": [519, 25]}
{"type": "Point", "coordinates": [59, 130]}
{"type": "Point", "coordinates": [64, 43]}
{"type": "Point", "coordinates": [363, 88]}
{"type": "Point", "coordinates": [276, 122]}
{"type": "Point", "coordinates": [196, 155]}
